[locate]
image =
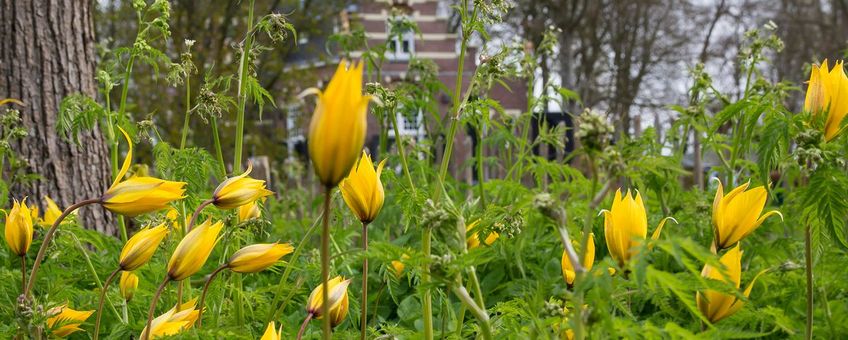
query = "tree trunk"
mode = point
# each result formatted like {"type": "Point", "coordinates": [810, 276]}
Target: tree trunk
{"type": "Point", "coordinates": [47, 53]}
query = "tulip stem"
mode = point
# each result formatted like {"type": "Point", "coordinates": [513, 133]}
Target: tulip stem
{"type": "Point", "coordinates": [479, 313]}
{"type": "Point", "coordinates": [205, 290]}
{"type": "Point", "coordinates": [427, 302]}
{"type": "Point", "coordinates": [363, 319]}
{"type": "Point", "coordinates": [325, 265]}
{"type": "Point", "coordinates": [100, 302]}
{"type": "Point", "coordinates": [303, 325]}
{"type": "Point", "coordinates": [196, 213]}
{"type": "Point", "coordinates": [146, 334]}
{"type": "Point", "coordinates": [47, 238]}
{"type": "Point", "coordinates": [23, 273]}
{"type": "Point", "coordinates": [187, 109]}
{"type": "Point", "coordinates": [272, 314]}
{"type": "Point", "coordinates": [808, 258]}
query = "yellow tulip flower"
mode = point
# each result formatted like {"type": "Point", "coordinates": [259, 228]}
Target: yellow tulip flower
{"type": "Point", "coordinates": [716, 305]}
{"type": "Point", "coordinates": [826, 95]}
{"type": "Point", "coordinates": [338, 125]}
{"type": "Point", "coordinates": [249, 211]}
{"type": "Point", "coordinates": [473, 241]}
{"type": "Point", "coordinates": [63, 321]}
{"type": "Point", "coordinates": [138, 195]}
{"type": "Point", "coordinates": [175, 320]}
{"type": "Point", "coordinates": [339, 312]}
{"type": "Point", "coordinates": [193, 250]}
{"type": "Point", "coordinates": [257, 257]}
{"type": "Point", "coordinates": [737, 214]}
{"type": "Point", "coordinates": [568, 272]}
{"type": "Point", "coordinates": [337, 294]}
{"type": "Point", "coordinates": [362, 190]}
{"type": "Point", "coordinates": [398, 266]}
{"type": "Point", "coordinates": [239, 190]}
{"type": "Point", "coordinates": [52, 213]}
{"type": "Point", "coordinates": [128, 285]}
{"type": "Point", "coordinates": [626, 226]}
{"type": "Point", "coordinates": [271, 333]}
{"type": "Point", "coordinates": [19, 228]}
{"type": "Point", "coordinates": [141, 246]}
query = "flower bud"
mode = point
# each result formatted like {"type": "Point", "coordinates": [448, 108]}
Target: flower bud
{"type": "Point", "coordinates": [336, 296]}
{"type": "Point", "coordinates": [141, 246]}
{"type": "Point", "coordinates": [362, 190]}
{"type": "Point", "coordinates": [193, 250]}
{"type": "Point", "coordinates": [63, 321]}
{"type": "Point", "coordinates": [19, 228]}
{"type": "Point", "coordinates": [128, 285]}
{"type": "Point", "coordinates": [257, 257]}
{"type": "Point", "coordinates": [239, 190]}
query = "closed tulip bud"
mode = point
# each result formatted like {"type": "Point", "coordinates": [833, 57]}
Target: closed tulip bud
{"type": "Point", "coordinates": [141, 246]}
{"type": "Point", "coordinates": [257, 257]}
{"type": "Point", "coordinates": [193, 250]}
{"type": "Point", "coordinates": [568, 272]}
{"type": "Point", "coordinates": [737, 214]}
{"type": "Point", "coordinates": [177, 319]}
{"type": "Point", "coordinates": [19, 228]}
{"type": "Point", "coordinates": [272, 333]}
{"type": "Point", "coordinates": [128, 284]}
{"type": "Point", "coordinates": [715, 305]}
{"type": "Point", "coordinates": [52, 211]}
{"type": "Point", "coordinates": [473, 241]}
{"type": "Point", "coordinates": [626, 226]}
{"type": "Point", "coordinates": [362, 190]}
{"type": "Point", "coordinates": [239, 190]}
{"type": "Point", "coordinates": [398, 266]}
{"type": "Point", "coordinates": [138, 194]}
{"type": "Point", "coordinates": [338, 125]}
{"type": "Point", "coordinates": [249, 211]}
{"type": "Point", "coordinates": [337, 294]}
{"type": "Point", "coordinates": [338, 313]}
{"type": "Point", "coordinates": [825, 96]}
{"type": "Point", "coordinates": [63, 321]}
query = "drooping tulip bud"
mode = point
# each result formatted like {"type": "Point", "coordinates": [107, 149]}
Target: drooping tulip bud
{"type": "Point", "coordinates": [737, 214]}
{"type": "Point", "coordinates": [239, 190]}
{"type": "Point", "coordinates": [337, 292]}
{"type": "Point", "coordinates": [193, 250]}
{"type": "Point", "coordinates": [128, 285]}
{"type": "Point", "coordinates": [398, 266]}
{"type": "Point", "coordinates": [138, 194]}
{"type": "Point", "coordinates": [141, 247]}
{"type": "Point", "coordinates": [63, 321]}
{"type": "Point", "coordinates": [52, 211]}
{"type": "Point", "coordinates": [338, 125]}
{"type": "Point", "coordinates": [257, 257]}
{"type": "Point", "coordinates": [249, 211]}
{"type": "Point", "coordinates": [19, 228]}
{"type": "Point", "coordinates": [568, 272]}
{"type": "Point", "coordinates": [473, 241]}
{"type": "Point", "coordinates": [362, 190]}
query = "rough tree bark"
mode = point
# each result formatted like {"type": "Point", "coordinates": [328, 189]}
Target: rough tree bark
{"type": "Point", "coordinates": [47, 53]}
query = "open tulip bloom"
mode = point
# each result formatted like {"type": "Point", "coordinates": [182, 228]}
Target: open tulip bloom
{"type": "Point", "coordinates": [362, 190]}
{"type": "Point", "coordinates": [175, 320]}
{"type": "Point", "coordinates": [568, 272]}
{"type": "Point", "coordinates": [737, 214]}
{"type": "Point", "coordinates": [716, 305]}
{"type": "Point", "coordinates": [626, 226]}
{"type": "Point", "coordinates": [63, 321]}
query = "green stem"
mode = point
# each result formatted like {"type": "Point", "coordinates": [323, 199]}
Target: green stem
{"type": "Point", "coordinates": [480, 167]}
{"type": "Point", "coordinates": [23, 273]}
{"type": "Point", "coordinates": [218, 153]}
{"type": "Point", "coordinates": [808, 259]}
{"type": "Point", "coordinates": [401, 150]}
{"type": "Point", "coordinates": [363, 318]}
{"type": "Point", "coordinates": [93, 272]}
{"type": "Point", "coordinates": [146, 334]}
{"type": "Point", "coordinates": [100, 302]}
{"type": "Point", "coordinates": [274, 311]}
{"type": "Point", "coordinates": [425, 280]}
{"type": "Point", "coordinates": [242, 88]}
{"type": "Point", "coordinates": [205, 290]}
{"type": "Point", "coordinates": [187, 111]}
{"type": "Point", "coordinates": [325, 266]}
{"type": "Point", "coordinates": [46, 242]}
{"type": "Point", "coordinates": [478, 293]}
{"type": "Point", "coordinates": [480, 314]}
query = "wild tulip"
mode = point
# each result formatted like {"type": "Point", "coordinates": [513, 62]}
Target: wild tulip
{"type": "Point", "coordinates": [362, 190]}
{"type": "Point", "coordinates": [258, 257]}
{"type": "Point", "coordinates": [249, 211]}
{"type": "Point", "coordinates": [141, 247]}
{"type": "Point", "coordinates": [337, 292]}
{"type": "Point", "coordinates": [338, 125]}
{"type": "Point", "coordinates": [175, 320]}
{"type": "Point", "coordinates": [272, 333]}
{"type": "Point", "coordinates": [139, 194]}
{"type": "Point", "coordinates": [339, 312]}
{"type": "Point", "coordinates": [473, 241]}
{"type": "Point", "coordinates": [239, 190]}
{"type": "Point", "coordinates": [568, 272]}
{"type": "Point", "coordinates": [737, 214]}
{"type": "Point", "coordinates": [193, 250]}
{"type": "Point", "coordinates": [128, 284]}
{"type": "Point", "coordinates": [52, 211]}
{"type": "Point", "coordinates": [398, 266]}
{"type": "Point", "coordinates": [826, 91]}
{"type": "Point", "coordinates": [715, 305]}
{"type": "Point", "coordinates": [63, 321]}
{"type": "Point", "coordinates": [626, 226]}
{"type": "Point", "coordinates": [19, 228]}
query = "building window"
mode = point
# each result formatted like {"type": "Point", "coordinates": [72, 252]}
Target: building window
{"type": "Point", "coordinates": [409, 124]}
{"type": "Point", "coordinates": [295, 134]}
{"type": "Point", "coordinates": [401, 46]}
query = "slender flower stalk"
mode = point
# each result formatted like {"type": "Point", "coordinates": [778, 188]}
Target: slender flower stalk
{"type": "Point", "coordinates": [206, 289]}
{"type": "Point", "coordinates": [325, 265]}
{"type": "Point", "coordinates": [100, 303]}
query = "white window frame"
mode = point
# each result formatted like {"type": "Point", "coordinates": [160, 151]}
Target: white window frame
{"type": "Point", "coordinates": [397, 53]}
